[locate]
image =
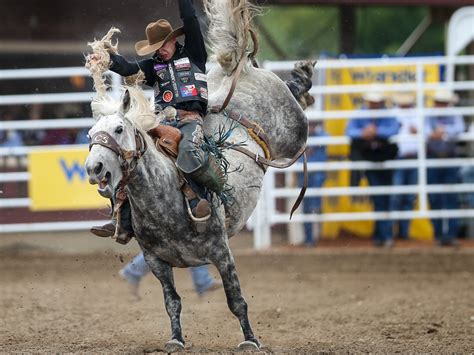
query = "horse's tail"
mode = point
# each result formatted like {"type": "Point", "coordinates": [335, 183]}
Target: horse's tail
{"type": "Point", "coordinates": [229, 30]}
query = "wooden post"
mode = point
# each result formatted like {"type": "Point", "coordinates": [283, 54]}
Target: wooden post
{"type": "Point", "coordinates": [347, 27]}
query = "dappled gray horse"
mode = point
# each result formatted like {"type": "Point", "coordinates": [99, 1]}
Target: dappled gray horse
{"type": "Point", "coordinates": [123, 154]}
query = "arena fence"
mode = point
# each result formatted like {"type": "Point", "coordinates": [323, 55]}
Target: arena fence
{"type": "Point", "coordinates": [266, 213]}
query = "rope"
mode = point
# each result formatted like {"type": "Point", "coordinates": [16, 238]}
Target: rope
{"type": "Point", "coordinates": [259, 141]}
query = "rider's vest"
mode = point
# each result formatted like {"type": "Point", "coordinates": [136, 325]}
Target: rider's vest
{"type": "Point", "coordinates": [178, 80]}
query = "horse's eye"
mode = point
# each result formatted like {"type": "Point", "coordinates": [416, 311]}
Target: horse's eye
{"type": "Point", "coordinates": [119, 130]}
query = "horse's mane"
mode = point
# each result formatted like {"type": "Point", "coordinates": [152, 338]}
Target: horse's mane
{"type": "Point", "coordinates": [140, 113]}
{"type": "Point", "coordinates": [104, 105]}
{"type": "Point", "coordinates": [228, 35]}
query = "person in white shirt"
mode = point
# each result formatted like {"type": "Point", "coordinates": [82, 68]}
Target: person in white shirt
{"type": "Point", "coordinates": [407, 149]}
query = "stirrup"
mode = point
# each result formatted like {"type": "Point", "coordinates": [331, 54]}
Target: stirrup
{"type": "Point", "coordinates": [195, 219]}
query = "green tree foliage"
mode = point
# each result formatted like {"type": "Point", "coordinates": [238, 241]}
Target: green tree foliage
{"type": "Point", "coordinates": [382, 30]}
{"type": "Point", "coordinates": [300, 31]}
{"type": "Point", "coordinates": [308, 31]}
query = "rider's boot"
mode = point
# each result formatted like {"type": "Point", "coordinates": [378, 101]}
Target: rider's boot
{"type": "Point", "coordinates": [105, 231]}
{"type": "Point", "coordinates": [108, 229]}
{"type": "Point", "coordinates": [210, 175]}
{"type": "Point", "coordinates": [200, 208]}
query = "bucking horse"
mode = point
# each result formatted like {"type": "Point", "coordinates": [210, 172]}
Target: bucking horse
{"type": "Point", "coordinates": [267, 126]}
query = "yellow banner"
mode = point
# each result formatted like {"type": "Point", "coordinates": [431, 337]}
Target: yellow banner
{"type": "Point", "coordinates": [59, 181]}
{"type": "Point", "coordinates": [396, 74]}
{"type": "Point", "coordinates": [393, 74]}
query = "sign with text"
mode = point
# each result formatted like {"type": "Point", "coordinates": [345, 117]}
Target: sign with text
{"type": "Point", "coordinates": [59, 181]}
{"type": "Point", "coordinates": [393, 74]}
{"type": "Point", "coordinates": [373, 75]}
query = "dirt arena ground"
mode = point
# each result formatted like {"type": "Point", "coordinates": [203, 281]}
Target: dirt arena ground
{"type": "Point", "coordinates": [62, 294]}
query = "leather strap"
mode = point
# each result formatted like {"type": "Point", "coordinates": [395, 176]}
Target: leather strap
{"type": "Point", "coordinates": [238, 70]}
{"type": "Point", "coordinates": [246, 123]}
{"type": "Point", "coordinates": [265, 162]}
{"type": "Point", "coordinates": [236, 76]}
{"type": "Point", "coordinates": [262, 162]}
{"type": "Point", "coordinates": [106, 140]}
{"type": "Point", "coordinates": [303, 189]}
{"type": "Point", "coordinates": [191, 115]}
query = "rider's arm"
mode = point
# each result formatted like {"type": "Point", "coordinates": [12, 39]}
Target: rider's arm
{"type": "Point", "coordinates": [120, 65]}
{"type": "Point", "coordinates": [193, 41]}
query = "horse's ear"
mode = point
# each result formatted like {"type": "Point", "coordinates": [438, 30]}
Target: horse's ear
{"type": "Point", "coordinates": [126, 101]}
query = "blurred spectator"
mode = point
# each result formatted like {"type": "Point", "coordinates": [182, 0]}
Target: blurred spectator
{"type": "Point", "coordinates": [315, 179]}
{"type": "Point", "coordinates": [10, 138]}
{"type": "Point", "coordinates": [467, 174]}
{"type": "Point", "coordinates": [63, 136]}
{"type": "Point", "coordinates": [370, 141]}
{"type": "Point", "coordinates": [82, 137]}
{"type": "Point", "coordinates": [59, 137]}
{"type": "Point", "coordinates": [407, 149]}
{"type": "Point", "coordinates": [136, 269]}
{"type": "Point", "coordinates": [442, 132]}
{"type": "Point", "coordinates": [34, 136]}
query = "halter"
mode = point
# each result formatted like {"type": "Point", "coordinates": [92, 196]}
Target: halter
{"type": "Point", "coordinates": [106, 140]}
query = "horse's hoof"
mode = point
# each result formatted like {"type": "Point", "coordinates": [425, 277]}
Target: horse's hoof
{"type": "Point", "coordinates": [248, 346]}
{"type": "Point", "coordinates": [173, 346]}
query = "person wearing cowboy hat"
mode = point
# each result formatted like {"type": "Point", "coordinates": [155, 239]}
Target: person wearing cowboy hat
{"type": "Point", "coordinates": [442, 132]}
{"type": "Point", "coordinates": [370, 141]}
{"type": "Point", "coordinates": [176, 73]}
{"type": "Point", "coordinates": [407, 149]}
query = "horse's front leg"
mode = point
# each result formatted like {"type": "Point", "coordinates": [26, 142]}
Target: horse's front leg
{"type": "Point", "coordinates": [225, 264]}
{"type": "Point", "coordinates": [164, 272]}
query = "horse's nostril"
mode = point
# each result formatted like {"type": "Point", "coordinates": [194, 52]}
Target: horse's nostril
{"type": "Point", "coordinates": [98, 168]}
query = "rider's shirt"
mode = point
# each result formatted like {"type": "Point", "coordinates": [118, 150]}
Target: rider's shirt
{"type": "Point", "coordinates": [189, 89]}
{"type": "Point", "coordinates": [178, 81]}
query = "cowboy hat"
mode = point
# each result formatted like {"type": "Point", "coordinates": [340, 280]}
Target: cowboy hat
{"type": "Point", "coordinates": [157, 34]}
{"type": "Point", "coordinates": [403, 99]}
{"type": "Point", "coordinates": [373, 96]}
{"type": "Point", "coordinates": [445, 96]}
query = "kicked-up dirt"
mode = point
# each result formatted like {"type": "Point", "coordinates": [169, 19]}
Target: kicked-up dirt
{"type": "Point", "coordinates": [308, 301]}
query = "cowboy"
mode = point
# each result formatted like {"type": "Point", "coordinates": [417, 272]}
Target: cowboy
{"type": "Point", "coordinates": [176, 73]}
{"type": "Point", "coordinates": [442, 132]}
{"type": "Point", "coordinates": [370, 140]}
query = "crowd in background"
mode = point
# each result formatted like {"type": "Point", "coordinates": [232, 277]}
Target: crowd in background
{"type": "Point", "coordinates": [374, 140]}
{"type": "Point", "coordinates": [371, 140]}
{"type": "Point", "coordinates": [34, 137]}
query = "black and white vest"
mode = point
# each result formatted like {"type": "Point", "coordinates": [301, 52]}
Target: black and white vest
{"type": "Point", "coordinates": [177, 81]}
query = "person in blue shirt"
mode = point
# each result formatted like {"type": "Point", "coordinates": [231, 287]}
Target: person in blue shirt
{"type": "Point", "coordinates": [315, 179]}
{"type": "Point", "coordinates": [371, 138]}
{"type": "Point", "coordinates": [11, 138]}
{"type": "Point", "coordinates": [441, 134]}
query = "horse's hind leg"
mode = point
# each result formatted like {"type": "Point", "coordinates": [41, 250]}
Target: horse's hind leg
{"type": "Point", "coordinates": [236, 302]}
{"type": "Point", "coordinates": [164, 273]}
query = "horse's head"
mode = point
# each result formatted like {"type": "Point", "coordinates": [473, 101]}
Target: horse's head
{"type": "Point", "coordinates": [116, 144]}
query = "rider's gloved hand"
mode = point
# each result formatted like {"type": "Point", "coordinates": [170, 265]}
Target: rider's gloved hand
{"type": "Point", "coordinates": [173, 123]}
